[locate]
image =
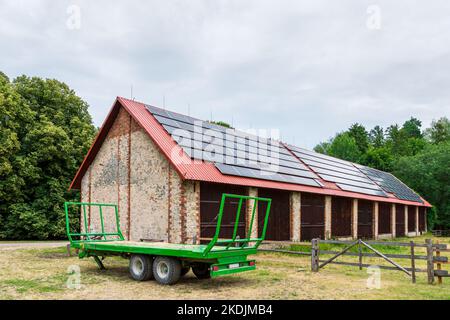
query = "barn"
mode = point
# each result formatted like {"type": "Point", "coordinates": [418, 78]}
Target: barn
{"type": "Point", "coordinates": [167, 171]}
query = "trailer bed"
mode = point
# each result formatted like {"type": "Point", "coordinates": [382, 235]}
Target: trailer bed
{"type": "Point", "coordinates": [167, 262]}
{"type": "Point", "coordinates": [196, 251]}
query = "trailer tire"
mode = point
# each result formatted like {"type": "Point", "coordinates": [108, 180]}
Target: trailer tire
{"type": "Point", "coordinates": [166, 270]}
{"type": "Point", "coordinates": [141, 267]}
{"type": "Point", "coordinates": [201, 270]}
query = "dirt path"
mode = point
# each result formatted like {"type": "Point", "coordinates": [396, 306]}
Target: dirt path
{"type": "Point", "coordinates": [32, 244]}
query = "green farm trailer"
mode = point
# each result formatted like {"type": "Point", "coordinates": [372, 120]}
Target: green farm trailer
{"type": "Point", "coordinates": [167, 262]}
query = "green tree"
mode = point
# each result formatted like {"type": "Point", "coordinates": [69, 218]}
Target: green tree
{"type": "Point", "coordinates": [412, 128]}
{"type": "Point", "coordinates": [407, 140]}
{"type": "Point", "coordinates": [344, 147]}
{"type": "Point", "coordinates": [359, 133]}
{"type": "Point", "coordinates": [420, 160]}
{"type": "Point", "coordinates": [323, 147]}
{"type": "Point", "coordinates": [47, 130]}
{"type": "Point", "coordinates": [428, 173]}
{"type": "Point", "coordinates": [393, 132]}
{"type": "Point", "coordinates": [379, 158]}
{"type": "Point", "coordinates": [15, 119]}
{"type": "Point", "coordinates": [376, 137]}
{"type": "Point", "coordinates": [439, 131]}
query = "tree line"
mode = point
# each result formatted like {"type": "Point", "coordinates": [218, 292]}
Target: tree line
{"type": "Point", "coordinates": [419, 157]}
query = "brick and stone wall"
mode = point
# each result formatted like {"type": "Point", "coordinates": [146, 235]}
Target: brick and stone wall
{"type": "Point", "coordinates": [130, 171]}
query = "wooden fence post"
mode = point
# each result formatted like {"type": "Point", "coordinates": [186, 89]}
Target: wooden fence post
{"type": "Point", "coordinates": [315, 255]}
{"type": "Point", "coordinates": [439, 266]}
{"type": "Point", "coordinates": [360, 254]}
{"type": "Point", "coordinates": [430, 266]}
{"type": "Point", "coordinates": [413, 263]}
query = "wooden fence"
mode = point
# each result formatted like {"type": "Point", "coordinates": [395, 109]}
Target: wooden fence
{"type": "Point", "coordinates": [432, 257]}
{"type": "Point", "coordinates": [440, 233]}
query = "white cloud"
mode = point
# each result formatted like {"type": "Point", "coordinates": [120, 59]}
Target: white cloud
{"type": "Point", "coordinates": [308, 68]}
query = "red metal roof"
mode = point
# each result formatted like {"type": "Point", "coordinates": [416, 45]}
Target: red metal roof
{"type": "Point", "coordinates": [189, 169]}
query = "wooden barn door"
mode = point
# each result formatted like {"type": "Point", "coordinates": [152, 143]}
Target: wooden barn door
{"type": "Point", "coordinates": [312, 217]}
{"type": "Point", "coordinates": [210, 197]}
{"type": "Point", "coordinates": [384, 218]}
{"type": "Point", "coordinates": [400, 220]}
{"type": "Point", "coordinates": [279, 226]}
{"type": "Point", "coordinates": [341, 217]}
{"type": "Point", "coordinates": [411, 219]}
{"type": "Point", "coordinates": [422, 217]}
{"type": "Point", "coordinates": [365, 216]}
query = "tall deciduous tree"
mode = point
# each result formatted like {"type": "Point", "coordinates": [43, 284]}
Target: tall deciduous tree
{"type": "Point", "coordinates": [429, 174]}
{"type": "Point", "coordinates": [46, 130]}
{"type": "Point", "coordinates": [359, 133]}
{"type": "Point", "coordinates": [439, 131]}
{"type": "Point", "coordinates": [412, 128]}
{"type": "Point", "coordinates": [344, 147]}
{"type": "Point", "coordinates": [421, 161]}
{"type": "Point", "coordinates": [376, 137]}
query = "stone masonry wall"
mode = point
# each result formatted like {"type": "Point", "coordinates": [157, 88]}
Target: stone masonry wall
{"type": "Point", "coordinates": [153, 201]}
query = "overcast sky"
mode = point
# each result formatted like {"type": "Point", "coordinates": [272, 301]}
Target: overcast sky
{"type": "Point", "coordinates": [307, 68]}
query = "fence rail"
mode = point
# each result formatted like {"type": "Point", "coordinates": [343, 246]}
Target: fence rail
{"type": "Point", "coordinates": [440, 233]}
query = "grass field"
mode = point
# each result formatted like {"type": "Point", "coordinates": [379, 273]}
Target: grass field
{"type": "Point", "coordinates": [42, 273]}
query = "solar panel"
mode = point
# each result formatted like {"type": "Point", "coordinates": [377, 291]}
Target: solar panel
{"type": "Point", "coordinates": [366, 191]}
{"type": "Point", "coordinates": [343, 173]}
{"type": "Point", "coordinates": [241, 154]}
{"type": "Point", "coordinates": [234, 152]}
{"type": "Point", "coordinates": [390, 183]}
{"type": "Point", "coordinates": [264, 175]}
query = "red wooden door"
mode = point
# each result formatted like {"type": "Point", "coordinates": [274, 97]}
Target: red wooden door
{"type": "Point", "coordinates": [341, 217]}
{"type": "Point", "coordinates": [384, 218]}
{"type": "Point", "coordinates": [210, 197]}
{"type": "Point", "coordinates": [279, 226]}
{"type": "Point", "coordinates": [365, 217]}
{"type": "Point", "coordinates": [400, 220]}
{"type": "Point", "coordinates": [313, 216]}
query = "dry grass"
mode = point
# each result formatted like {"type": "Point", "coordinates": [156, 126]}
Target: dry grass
{"type": "Point", "coordinates": [42, 274]}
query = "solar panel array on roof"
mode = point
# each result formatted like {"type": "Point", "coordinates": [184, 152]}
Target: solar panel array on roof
{"type": "Point", "coordinates": [343, 173]}
{"type": "Point", "coordinates": [233, 152]}
{"type": "Point", "coordinates": [391, 184]}
{"type": "Point", "coordinates": [242, 154]}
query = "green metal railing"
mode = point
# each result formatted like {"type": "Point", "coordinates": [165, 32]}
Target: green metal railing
{"type": "Point", "coordinates": [243, 243]}
{"type": "Point", "coordinates": [87, 234]}
{"type": "Point", "coordinates": [222, 244]}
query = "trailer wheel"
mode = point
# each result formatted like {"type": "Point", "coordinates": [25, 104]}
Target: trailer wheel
{"type": "Point", "coordinates": [184, 270]}
{"type": "Point", "coordinates": [141, 267]}
{"type": "Point", "coordinates": [201, 270]}
{"type": "Point", "coordinates": [166, 270]}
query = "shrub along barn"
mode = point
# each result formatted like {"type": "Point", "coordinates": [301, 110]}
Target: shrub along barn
{"type": "Point", "coordinates": [167, 172]}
